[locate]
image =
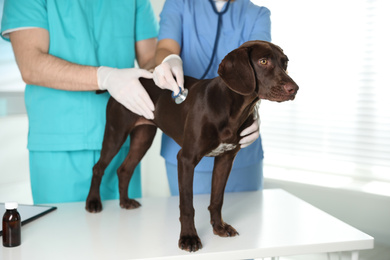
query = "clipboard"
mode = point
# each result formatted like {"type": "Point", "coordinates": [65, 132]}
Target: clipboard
{"type": "Point", "coordinates": [28, 213]}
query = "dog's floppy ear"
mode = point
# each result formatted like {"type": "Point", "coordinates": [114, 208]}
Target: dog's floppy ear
{"type": "Point", "coordinates": [236, 71]}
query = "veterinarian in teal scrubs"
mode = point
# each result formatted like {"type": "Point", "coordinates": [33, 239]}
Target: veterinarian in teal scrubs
{"type": "Point", "coordinates": [59, 46]}
{"type": "Point", "coordinates": [188, 28]}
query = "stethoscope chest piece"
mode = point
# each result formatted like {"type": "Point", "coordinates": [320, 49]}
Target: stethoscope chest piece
{"type": "Point", "coordinates": [179, 98]}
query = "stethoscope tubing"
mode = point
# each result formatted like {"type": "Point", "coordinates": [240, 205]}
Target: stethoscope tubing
{"type": "Point", "coordinates": [220, 14]}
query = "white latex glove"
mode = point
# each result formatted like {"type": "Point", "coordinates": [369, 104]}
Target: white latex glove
{"type": "Point", "coordinates": [124, 86]}
{"type": "Point", "coordinates": [251, 133]}
{"type": "Point", "coordinates": [164, 73]}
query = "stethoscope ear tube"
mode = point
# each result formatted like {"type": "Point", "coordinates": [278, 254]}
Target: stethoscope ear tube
{"type": "Point", "coordinates": [182, 95]}
{"type": "Point", "coordinates": [220, 14]}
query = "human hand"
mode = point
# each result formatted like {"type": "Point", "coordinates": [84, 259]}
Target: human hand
{"type": "Point", "coordinates": [124, 86]}
{"type": "Point", "coordinates": [163, 74]}
{"type": "Point", "coordinates": [251, 133]}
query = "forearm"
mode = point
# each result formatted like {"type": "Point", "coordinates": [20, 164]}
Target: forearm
{"type": "Point", "coordinates": [38, 67]}
{"type": "Point", "coordinates": [149, 65]}
{"type": "Point", "coordinates": [145, 50]}
{"type": "Point", "coordinates": [49, 71]}
{"type": "Point", "coordinates": [161, 54]}
{"type": "Point", "coordinates": [165, 48]}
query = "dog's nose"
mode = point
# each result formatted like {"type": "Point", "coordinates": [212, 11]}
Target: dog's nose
{"type": "Point", "coordinates": [290, 88]}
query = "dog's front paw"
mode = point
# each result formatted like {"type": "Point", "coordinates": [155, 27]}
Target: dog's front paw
{"type": "Point", "coordinates": [129, 204]}
{"type": "Point", "coordinates": [93, 205]}
{"type": "Point", "coordinates": [190, 243]}
{"type": "Point", "coordinates": [224, 230]}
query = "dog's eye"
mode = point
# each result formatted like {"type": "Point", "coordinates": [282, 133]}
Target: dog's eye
{"type": "Point", "coordinates": [263, 61]}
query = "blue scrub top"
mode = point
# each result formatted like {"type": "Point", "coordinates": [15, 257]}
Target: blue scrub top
{"type": "Point", "coordinates": [86, 32]}
{"type": "Point", "coordinates": [193, 24]}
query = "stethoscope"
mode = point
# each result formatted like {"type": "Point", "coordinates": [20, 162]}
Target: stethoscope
{"type": "Point", "coordinates": [220, 14]}
{"type": "Point", "coordinates": [181, 96]}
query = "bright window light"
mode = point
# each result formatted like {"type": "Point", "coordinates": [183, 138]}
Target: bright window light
{"type": "Point", "coordinates": [339, 123]}
{"type": "Point", "coordinates": [377, 187]}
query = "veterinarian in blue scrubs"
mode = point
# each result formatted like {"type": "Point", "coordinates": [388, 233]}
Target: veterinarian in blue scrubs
{"type": "Point", "coordinates": [60, 47]}
{"type": "Point", "coordinates": [188, 28]}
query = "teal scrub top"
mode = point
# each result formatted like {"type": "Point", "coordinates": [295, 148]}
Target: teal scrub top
{"type": "Point", "coordinates": [86, 32]}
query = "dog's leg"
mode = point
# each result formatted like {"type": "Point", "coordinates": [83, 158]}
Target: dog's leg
{"type": "Point", "coordinates": [113, 140]}
{"type": "Point", "coordinates": [189, 239]}
{"type": "Point", "coordinates": [141, 138]}
{"type": "Point", "coordinates": [222, 167]}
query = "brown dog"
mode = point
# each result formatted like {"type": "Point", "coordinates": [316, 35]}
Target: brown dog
{"type": "Point", "coordinates": [207, 123]}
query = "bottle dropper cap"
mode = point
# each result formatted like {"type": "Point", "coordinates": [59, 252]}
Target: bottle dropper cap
{"type": "Point", "coordinates": [11, 205]}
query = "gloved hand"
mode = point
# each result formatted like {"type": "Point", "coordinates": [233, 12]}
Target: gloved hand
{"type": "Point", "coordinates": [124, 86]}
{"type": "Point", "coordinates": [163, 74]}
{"type": "Point", "coordinates": [251, 133]}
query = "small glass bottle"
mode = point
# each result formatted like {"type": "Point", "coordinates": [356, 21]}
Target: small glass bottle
{"type": "Point", "coordinates": [11, 225]}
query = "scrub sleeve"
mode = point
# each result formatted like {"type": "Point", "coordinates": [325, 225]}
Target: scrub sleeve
{"type": "Point", "coordinates": [66, 128]}
{"type": "Point", "coordinates": [193, 24]}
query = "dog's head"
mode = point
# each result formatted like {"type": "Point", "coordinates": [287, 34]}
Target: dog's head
{"type": "Point", "coordinates": [258, 66]}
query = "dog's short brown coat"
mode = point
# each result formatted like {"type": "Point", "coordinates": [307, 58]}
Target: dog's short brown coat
{"type": "Point", "coordinates": [207, 123]}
